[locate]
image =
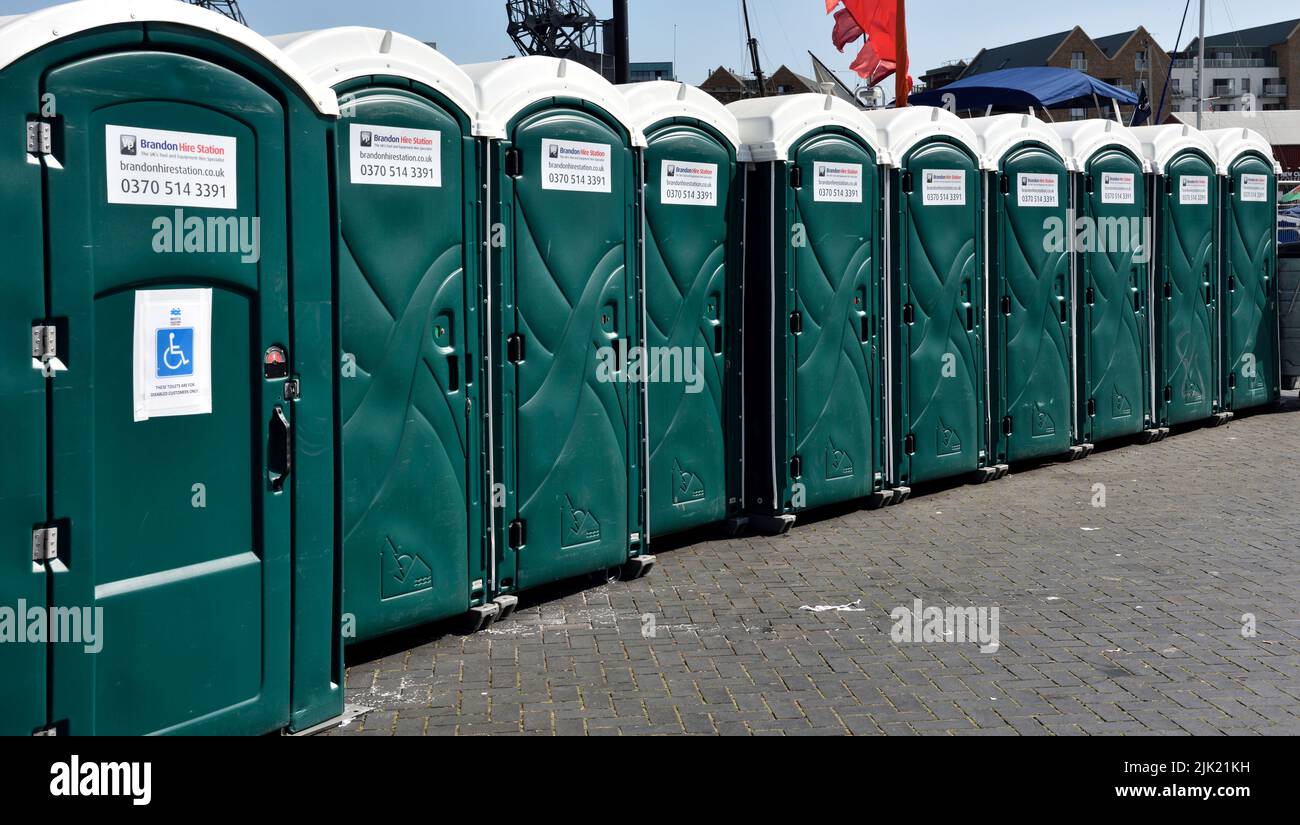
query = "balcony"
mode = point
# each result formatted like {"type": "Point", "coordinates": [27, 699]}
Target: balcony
{"type": "Point", "coordinates": [1220, 63]}
{"type": "Point", "coordinates": [1274, 90]}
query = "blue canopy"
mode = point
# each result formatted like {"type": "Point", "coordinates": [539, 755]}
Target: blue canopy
{"type": "Point", "coordinates": [1042, 86]}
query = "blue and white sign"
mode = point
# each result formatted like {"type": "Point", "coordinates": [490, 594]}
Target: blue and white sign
{"type": "Point", "coordinates": [175, 352]}
{"type": "Point", "coordinates": [172, 353]}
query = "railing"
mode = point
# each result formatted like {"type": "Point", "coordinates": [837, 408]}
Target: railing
{"type": "Point", "coordinates": [1274, 90]}
{"type": "Point", "coordinates": [1079, 64]}
{"type": "Point", "coordinates": [1220, 63]}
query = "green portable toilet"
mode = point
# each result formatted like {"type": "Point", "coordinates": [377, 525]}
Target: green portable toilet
{"type": "Point", "coordinates": [935, 382]}
{"type": "Point", "coordinates": [692, 223]}
{"type": "Point", "coordinates": [412, 479]}
{"type": "Point", "coordinates": [179, 495]}
{"type": "Point", "coordinates": [811, 301]}
{"type": "Point", "coordinates": [1111, 242]}
{"type": "Point", "coordinates": [1184, 197]}
{"type": "Point", "coordinates": [1031, 355]}
{"type": "Point", "coordinates": [1248, 269]}
{"type": "Point", "coordinates": [567, 438]}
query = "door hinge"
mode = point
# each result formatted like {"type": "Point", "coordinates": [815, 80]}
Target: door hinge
{"type": "Point", "coordinates": [515, 348]}
{"type": "Point", "coordinates": [1232, 380]}
{"type": "Point", "coordinates": [796, 177]}
{"type": "Point", "coordinates": [1006, 304]}
{"type": "Point", "coordinates": [907, 182]}
{"type": "Point", "coordinates": [292, 389]}
{"type": "Point", "coordinates": [1169, 394]}
{"type": "Point", "coordinates": [45, 544]}
{"type": "Point", "coordinates": [40, 138]}
{"type": "Point", "coordinates": [908, 314]}
{"type": "Point", "coordinates": [1090, 296]}
{"type": "Point", "coordinates": [796, 322]}
{"type": "Point", "coordinates": [518, 534]}
{"type": "Point", "coordinates": [45, 344]}
{"type": "Point", "coordinates": [1092, 407]}
{"type": "Point", "coordinates": [796, 467]}
{"type": "Point", "coordinates": [1004, 185]}
{"type": "Point", "coordinates": [1087, 184]}
{"type": "Point", "coordinates": [909, 444]}
{"type": "Point", "coordinates": [1006, 425]}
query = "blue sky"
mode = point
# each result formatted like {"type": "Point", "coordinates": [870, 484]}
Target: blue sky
{"type": "Point", "coordinates": [708, 32]}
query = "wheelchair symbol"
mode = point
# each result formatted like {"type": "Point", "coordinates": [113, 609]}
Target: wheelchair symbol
{"type": "Point", "coordinates": [174, 349]}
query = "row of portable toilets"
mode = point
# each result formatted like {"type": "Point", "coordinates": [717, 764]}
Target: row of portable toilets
{"type": "Point", "coordinates": [505, 323]}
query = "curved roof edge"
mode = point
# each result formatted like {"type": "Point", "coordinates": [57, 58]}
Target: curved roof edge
{"type": "Point", "coordinates": [770, 126]}
{"type": "Point", "coordinates": [999, 134]}
{"type": "Point", "coordinates": [902, 129]}
{"type": "Point", "coordinates": [1233, 143]}
{"type": "Point", "coordinates": [1084, 138]}
{"type": "Point", "coordinates": [504, 88]}
{"type": "Point", "coordinates": [23, 34]}
{"type": "Point", "coordinates": [1161, 143]}
{"type": "Point", "coordinates": [334, 56]}
{"type": "Point", "coordinates": [657, 100]}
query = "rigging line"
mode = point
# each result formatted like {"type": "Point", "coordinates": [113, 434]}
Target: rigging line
{"type": "Point", "coordinates": [1170, 74]}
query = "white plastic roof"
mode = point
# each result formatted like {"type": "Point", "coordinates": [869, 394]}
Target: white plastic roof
{"type": "Point", "coordinates": [334, 56]}
{"type": "Point", "coordinates": [769, 126]}
{"type": "Point", "coordinates": [999, 134]}
{"type": "Point", "coordinates": [505, 88]}
{"type": "Point", "coordinates": [902, 129]}
{"type": "Point", "coordinates": [23, 34]}
{"type": "Point", "coordinates": [1084, 138]}
{"type": "Point", "coordinates": [1233, 143]}
{"type": "Point", "coordinates": [1161, 143]}
{"type": "Point", "coordinates": [658, 100]}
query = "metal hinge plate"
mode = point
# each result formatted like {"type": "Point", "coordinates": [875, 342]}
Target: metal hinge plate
{"type": "Point", "coordinates": [45, 544]}
{"type": "Point", "coordinates": [45, 343]}
{"type": "Point", "coordinates": [39, 138]}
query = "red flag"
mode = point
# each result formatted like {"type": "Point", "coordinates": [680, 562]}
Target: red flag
{"type": "Point", "coordinates": [878, 21]}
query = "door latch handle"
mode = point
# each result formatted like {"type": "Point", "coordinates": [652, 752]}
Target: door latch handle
{"type": "Point", "coordinates": [279, 450]}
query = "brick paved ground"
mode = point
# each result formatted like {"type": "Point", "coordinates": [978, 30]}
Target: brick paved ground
{"type": "Point", "coordinates": [1126, 619]}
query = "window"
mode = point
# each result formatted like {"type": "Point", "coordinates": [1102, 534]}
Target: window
{"type": "Point", "coordinates": [1245, 85]}
{"type": "Point", "coordinates": [1078, 62]}
{"type": "Point", "coordinates": [1140, 62]}
{"type": "Point", "coordinates": [1078, 114]}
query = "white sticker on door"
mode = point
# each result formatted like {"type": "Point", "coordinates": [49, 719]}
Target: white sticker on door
{"type": "Point", "coordinates": [1193, 189]}
{"type": "Point", "coordinates": [1117, 187]}
{"type": "Point", "coordinates": [1033, 189]}
{"type": "Point", "coordinates": [172, 353]}
{"type": "Point", "coordinates": [943, 187]}
{"type": "Point", "coordinates": [165, 168]}
{"type": "Point", "coordinates": [687, 183]}
{"type": "Point", "coordinates": [1254, 188]}
{"type": "Point", "coordinates": [387, 156]}
{"type": "Point", "coordinates": [837, 182]}
{"type": "Point", "coordinates": [576, 166]}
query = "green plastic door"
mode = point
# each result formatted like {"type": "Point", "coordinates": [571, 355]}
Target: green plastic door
{"type": "Point", "coordinates": [1113, 306]}
{"type": "Point", "coordinates": [22, 417]}
{"type": "Point", "coordinates": [834, 420]}
{"type": "Point", "coordinates": [1249, 259]}
{"type": "Point", "coordinates": [407, 317]}
{"type": "Point", "coordinates": [177, 536]}
{"type": "Point", "coordinates": [689, 226]}
{"type": "Point", "coordinates": [1032, 328]}
{"type": "Point", "coordinates": [1186, 322]}
{"type": "Point", "coordinates": [570, 239]}
{"type": "Point", "coordinates": [943, 421]}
